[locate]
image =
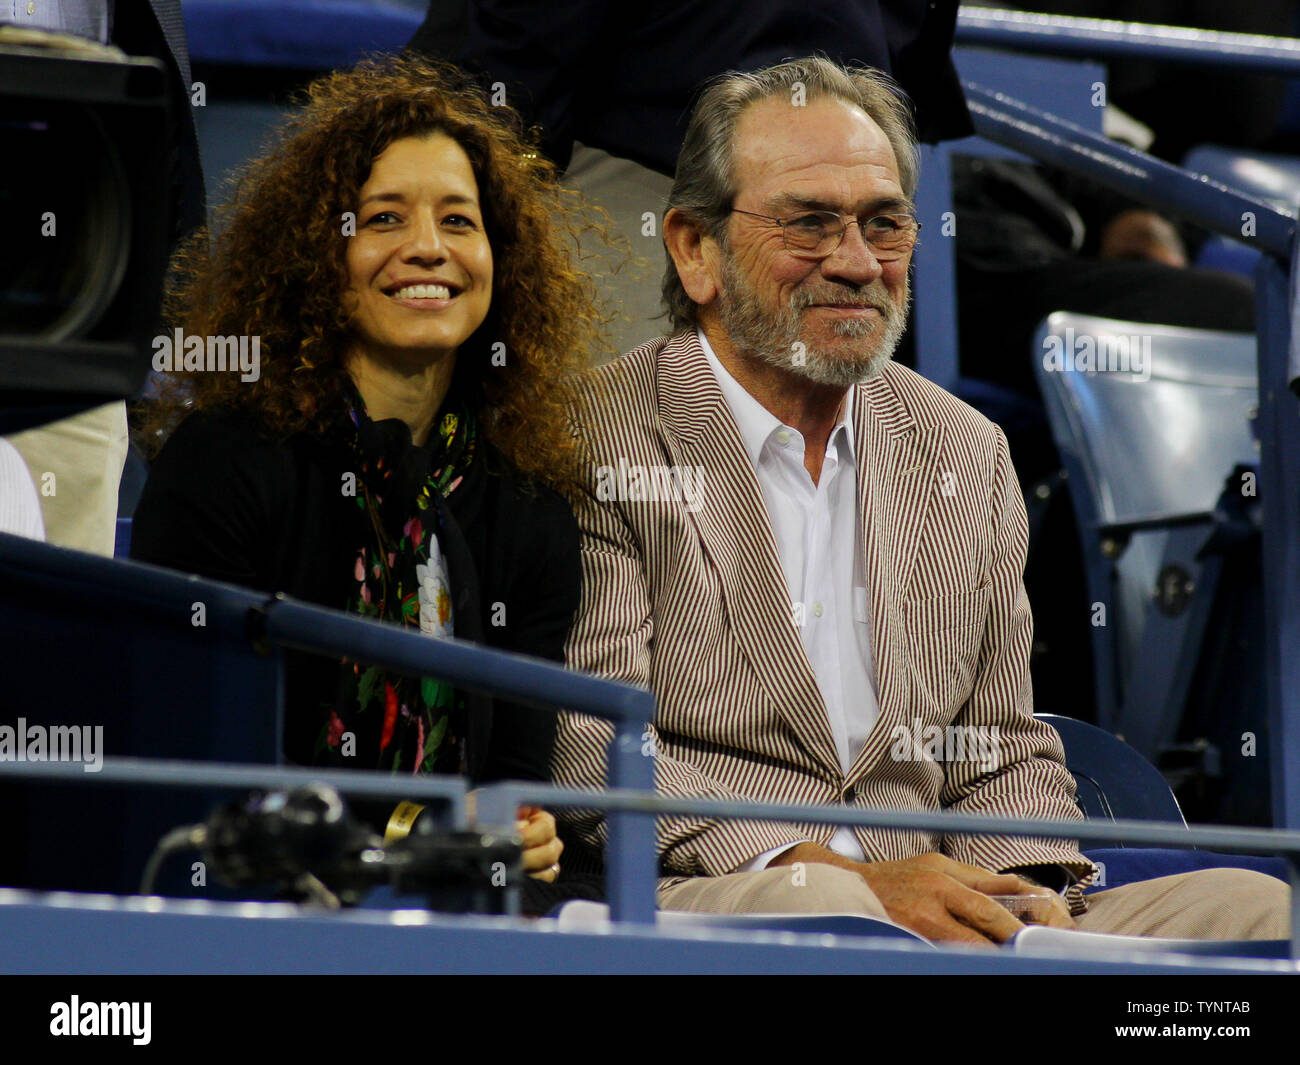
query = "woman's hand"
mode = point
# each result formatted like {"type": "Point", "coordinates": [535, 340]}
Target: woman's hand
{"type": "Point", "coordinates": [541, 846]}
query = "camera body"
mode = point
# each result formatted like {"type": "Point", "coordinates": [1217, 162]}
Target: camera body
{"type": "Point", "coordinates": [85, 194]}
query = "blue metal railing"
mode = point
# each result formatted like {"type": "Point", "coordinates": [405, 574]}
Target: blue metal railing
{"type": "Point", "coordinates": [1091, 38]}
{"type": "Point", "coordinates": [177, 773]}
{"type": "Point", "coordinates": [645, 804]}
{"type": "Point", "coordinates": [1009, 122]}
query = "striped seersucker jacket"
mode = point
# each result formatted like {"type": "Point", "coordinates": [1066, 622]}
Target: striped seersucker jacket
{"type": "Point", "coordinates": [683, 592]}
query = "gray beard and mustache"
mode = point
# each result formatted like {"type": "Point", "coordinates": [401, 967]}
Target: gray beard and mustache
{"type": "Point", "coordinates": [774, 338]}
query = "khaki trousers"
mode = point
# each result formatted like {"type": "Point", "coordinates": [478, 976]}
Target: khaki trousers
{"type": "Point", "coordinates": [634, 197]}
{"type": "Point", "coordinates": [1205, 904]}
{"type": "Point", "coordinates": [76, 465]}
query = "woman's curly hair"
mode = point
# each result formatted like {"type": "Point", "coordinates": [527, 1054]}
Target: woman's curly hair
{"type": "Point", "coordinates": [277, 270]}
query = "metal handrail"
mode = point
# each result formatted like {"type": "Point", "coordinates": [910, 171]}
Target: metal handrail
{"type": "Point", "coordinates": [1015, 124]}
{"type": "Point", "coordinates": [495, 800]}
{"type": "Point", "coordinates": [521, 678]}
{"type": "Point", "coordinates": [187, 773]}
{"type": "Point", "coordinates": [1093, 38]}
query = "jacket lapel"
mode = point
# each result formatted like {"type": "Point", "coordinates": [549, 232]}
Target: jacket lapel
{"type": "Point", "coordinates": [733, 526]}
{"type": "Point", "coordinates": [898, 477]}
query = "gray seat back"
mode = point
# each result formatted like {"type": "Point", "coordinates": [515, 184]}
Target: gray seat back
{"type": "Point", "coordinates": [1156, 432]}
{"type": "Point", "coordinates": [1150, 421]}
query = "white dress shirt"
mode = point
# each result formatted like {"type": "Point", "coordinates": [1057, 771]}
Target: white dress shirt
{"type": "Point", "coordinates": [819, 543]}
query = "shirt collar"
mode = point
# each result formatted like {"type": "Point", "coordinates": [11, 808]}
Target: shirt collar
{"type": "Point", "coordinates": [757, 424]}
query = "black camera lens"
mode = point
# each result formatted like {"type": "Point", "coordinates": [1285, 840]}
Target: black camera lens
{"type": "Point", "coordinates": [67, 221]}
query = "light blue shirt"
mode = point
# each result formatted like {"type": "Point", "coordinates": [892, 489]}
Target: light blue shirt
{"type": "Point", "coordinates": [82, 18]}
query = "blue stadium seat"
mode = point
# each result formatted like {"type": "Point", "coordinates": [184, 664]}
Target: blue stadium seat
{"type": "Point", "coordinates": [1148, 456]}
{"type": "Point", "coordinates": [307, 34]}
{"type": "Point", "coordinates": [1272, 178]}
{"type": "Point", "coordinates": [1113, 781]}
{"type": "Point", "coordinates": [122, 539]}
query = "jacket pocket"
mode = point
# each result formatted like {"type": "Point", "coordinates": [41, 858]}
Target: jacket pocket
{"type": "Point", "coordinates": [944, 636]}
{"type": "Point", "coordinates": [947, 611]}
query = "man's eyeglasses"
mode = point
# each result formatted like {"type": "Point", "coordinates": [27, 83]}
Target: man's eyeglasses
{"type": "Point", "coordinates": [816, 234]}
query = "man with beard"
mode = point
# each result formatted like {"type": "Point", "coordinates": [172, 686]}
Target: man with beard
{"type": "Point", "coordinates": [844, 587]}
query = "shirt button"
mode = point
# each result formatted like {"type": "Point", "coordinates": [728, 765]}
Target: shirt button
{"type": "Point", "coordinates": [782, 436]}
{"type": "Point", "coordinates": [817, 610]}
{"type": "Point", "coordinates": [31, 7]}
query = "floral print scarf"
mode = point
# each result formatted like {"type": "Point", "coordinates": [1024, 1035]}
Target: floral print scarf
{"type": "Point", "coordinates": [399, 574]}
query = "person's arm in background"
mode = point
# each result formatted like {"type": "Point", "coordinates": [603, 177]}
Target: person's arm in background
{"type": "Point", "coordinates": [920, 37]}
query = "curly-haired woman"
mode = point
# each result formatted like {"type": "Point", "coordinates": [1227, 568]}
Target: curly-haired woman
{"type": "Point", "coordinates": [398, 264]}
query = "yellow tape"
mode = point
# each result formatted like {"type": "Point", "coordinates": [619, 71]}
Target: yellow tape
{"type": "Point", "coordinates": [403, 817]}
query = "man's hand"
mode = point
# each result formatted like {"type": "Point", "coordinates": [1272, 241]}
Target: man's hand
{"type": "Point", "coordinates": [945, 900]}
{"type": "Point", "coordinates": [933, 895]}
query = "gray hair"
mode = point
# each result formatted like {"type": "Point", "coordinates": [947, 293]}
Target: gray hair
{"type": "Point", "coordinates": [704, 187]}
